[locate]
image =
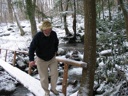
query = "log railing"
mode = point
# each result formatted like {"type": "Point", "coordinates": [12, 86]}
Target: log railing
{"type": "Point", "coordinates": [66, 62]}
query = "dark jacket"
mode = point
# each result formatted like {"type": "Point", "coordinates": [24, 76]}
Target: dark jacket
{"type": "Point", "coordinates": [44, 46]}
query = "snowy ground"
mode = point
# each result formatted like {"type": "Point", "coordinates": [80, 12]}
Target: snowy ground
{"type": "Point", "coordinates": [11, 39]}
{"type": "Point", "coordinates": [28, 81]}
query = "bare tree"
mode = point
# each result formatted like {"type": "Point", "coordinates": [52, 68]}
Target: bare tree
{"type": "Point", "coordinates": [74, 21]}
{"type": "Point", "coordinates": [64, 17]}
{"type": "Point", "coordinates": [30, 6]}
{"type": "Point", "coordinates": [87, 81]}
{"type": "Point", "coordinates": [10, 11]}
{"type": "Point", "coordinates": [99, 8]}
{"type": "Point", "coordinates": [17, 21]}
{"type": "Point", "coordinates": [109, 9]}
{"type": "Point", "coordinates": [125, 12]}
{"type": "Point", "coordinates": [3, 11]}
{"type": "Point", "coordinates": [103, 9]}
{"type": "Point", "coordinates": [40, 11]}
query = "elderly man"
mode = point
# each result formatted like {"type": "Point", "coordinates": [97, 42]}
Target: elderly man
{"type": "Point", "coordinates": [45, 44]}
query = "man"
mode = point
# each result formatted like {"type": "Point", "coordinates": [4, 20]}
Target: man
{"type": "Point", "coordinates": [45, 44]}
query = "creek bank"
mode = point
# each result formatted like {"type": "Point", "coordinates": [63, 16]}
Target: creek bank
{"type": "Point", "coordinates": [9, 86]}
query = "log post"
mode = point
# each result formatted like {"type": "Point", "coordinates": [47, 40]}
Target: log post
{"type": "Point", "coordinates": [6, 55]}
{"type": "Point", "coordinates": [29, 69]}
{"type": "Point", "coordinates": [14, 58]}
{"type": "Point", "coordinates": [65, 76]}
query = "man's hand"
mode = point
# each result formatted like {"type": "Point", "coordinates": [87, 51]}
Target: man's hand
{"type": "Point", "coordinates": [31, 63]}
{"type": "Point", "coordinates": [56, 54]}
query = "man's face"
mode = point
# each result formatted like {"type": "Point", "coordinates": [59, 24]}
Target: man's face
{"type": "Point", "coordinates": [47, 32]}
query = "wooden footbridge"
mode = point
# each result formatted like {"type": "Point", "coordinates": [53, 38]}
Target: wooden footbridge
{"type": "Point", "coordinates": [33, 83]}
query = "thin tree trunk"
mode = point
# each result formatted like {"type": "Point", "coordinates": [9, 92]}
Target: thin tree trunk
{"type": "Point", "coordinates": [61, 9]}
{"type": "Point", "coordinates": [30, 5]}
{"type": "Point", "coordinates": [10, 11]}
{"type": "Point", "coordinates": [109, 9]}
{"type": "Point", "coordinates": [74, 21]}
{"type": "Point", "coordinates": [65, 21]}
{"type": "Point", "coordinates": [103, 9]}
{"type": "Point", "coordinates": [17, 21]}
{"type": "Point", "coordinates": [125, 12]}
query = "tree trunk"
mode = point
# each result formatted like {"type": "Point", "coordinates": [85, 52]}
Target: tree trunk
{"type": "Point", "coordinates": [109, 9]}
{"type": "Point", "coordinates": [87, 81]}
{"type": "Point", "coordinates": [74, 21]}
{"type": "Point", "coordinates": [98, 2]}
{"type": "Point", "coordinates": [61, 9]}
{"type": "Point", "coordinates": [65, 21]}
{"type": "Point", "coordinates": [17, 21]}
{"type": "Point", "coordinates": [103, 9]}
{"type": "Point", "coordinates": [125, 12]}
{"type": "Point", "coordinates": [10, 11]}
{"type": "Point", "coordinates": [30, 5]}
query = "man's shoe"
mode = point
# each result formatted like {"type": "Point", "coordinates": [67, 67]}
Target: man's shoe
{"type": "Point", "coordinates": [47, 94]}
{"type": "Point", "coordinates": [55, 92]}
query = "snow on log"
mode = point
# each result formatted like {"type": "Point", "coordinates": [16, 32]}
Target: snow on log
{"type": "Point", "coordinates": [28, 81]}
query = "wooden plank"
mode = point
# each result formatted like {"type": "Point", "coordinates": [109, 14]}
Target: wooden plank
{"type": "Point", "coordinates": [28, 81]}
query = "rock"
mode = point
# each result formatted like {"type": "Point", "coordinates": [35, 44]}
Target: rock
{"type": "Point", "coordinates": [7, 83]}
{"type": "Point", "coordinates": [9, 86]}
{"type": "Point", "coordinates": [61, 51]}
{"type": "Point", "coordinates": [21, 65]}
{"type": "Point", "coordinates": [75, 56]}
{"type": "Point", "coordinates": [9, 29]}
{"type": "Point", "coordinates": [22, 91]}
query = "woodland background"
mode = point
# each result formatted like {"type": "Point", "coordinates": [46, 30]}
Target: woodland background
{"type": "Point", "coordinates": [101, 32]}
